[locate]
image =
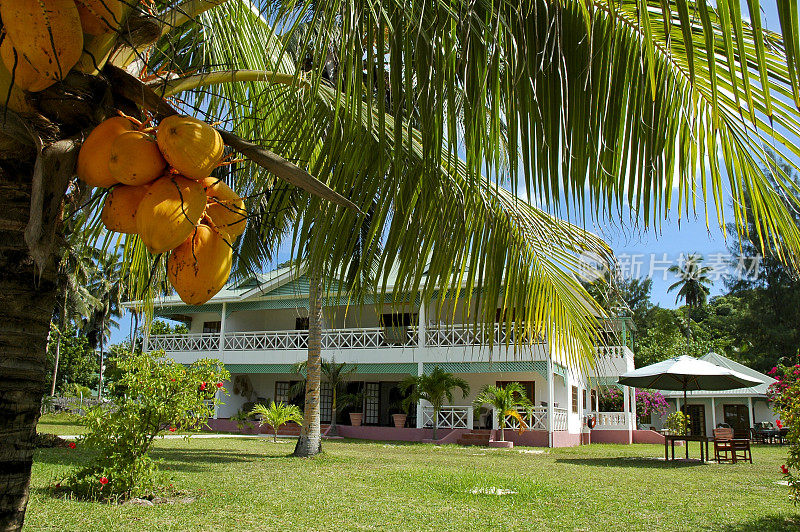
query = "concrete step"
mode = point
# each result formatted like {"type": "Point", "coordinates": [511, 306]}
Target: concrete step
{"type": "Point", "coordinates": [476, 437]}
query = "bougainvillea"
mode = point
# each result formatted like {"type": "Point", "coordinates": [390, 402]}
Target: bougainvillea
{"type": "Point", "coordinates": [153, 395]}
{"type": "Point", "coordinates": [648, 402]}
{"type": "Point", "coordinates": [784, 396]}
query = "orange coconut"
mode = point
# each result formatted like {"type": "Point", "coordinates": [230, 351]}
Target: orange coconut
{"type": "Point", "coordinates": [47, 33]}
{"type": "Point", "coordinates": [169, 212]}
{"type": "Point", "coordinates": [25, 76]}
{"type": "Point", "coordinates": [135, 159]}
{"type": "Point", "coordinates": [95, 152]}
{"type": "Point", "coordinates": [200, 266]}
{"type": "Point", "coordinates": [190, 146]}
{"type": "Point", "coordinates": [119, 209]}
{"type": "Point", "coordinates": [225, 207]}
{"type": "Point", "coordinates": [99, 17]}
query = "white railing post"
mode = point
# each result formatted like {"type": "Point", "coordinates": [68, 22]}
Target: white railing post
{"type": "Point", "coordinates": [470, 418]}
{"type": "Point", "coordinates": [626, 401]}
{"type": "Point", "coordinates": [495, 423]}
{"type": "Point", "coordinates": [222, 329]}
{"type": "Point", "coordinates": [550, 397]}
{"type": "Point", "coordinates": [421, 327]}
{"type": "Point", "coordinates": [420, 411]}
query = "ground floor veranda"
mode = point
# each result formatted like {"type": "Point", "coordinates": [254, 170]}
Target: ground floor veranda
{"type": "Point", "coordinates": [559, 422]}
{"type": "Point", "coordinates": [706, 412]}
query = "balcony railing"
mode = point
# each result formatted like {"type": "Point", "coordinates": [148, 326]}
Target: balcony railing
{"type": "Point", "coordinates": [611, 420]}
{"type": "Point", "coordinates": [184, 342]}
{"type": "Point", "coordinates": [536, 419]}
{"type": "Point", "coordinates": [450, 417]}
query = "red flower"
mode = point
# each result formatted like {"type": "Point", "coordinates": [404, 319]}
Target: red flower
{"type": "Point", "coordinates": [58, 484]}
{"type": "Point", "coordinates": [219, 385]}
{"type": "Point", "coordinates": [172, 380]}
{"type": "Point", "coordinates": [172, 429]}
{"type": "Point", "coordinates": [784, 470]}
{"type": "Point", "coordinates": [103, 481]}
{"type": "Point", "coordinates": [202, 386]}
{"type": "Point", "coordinates": [72, 445]}
{"type": "Point", "coordinates": [778, 422]}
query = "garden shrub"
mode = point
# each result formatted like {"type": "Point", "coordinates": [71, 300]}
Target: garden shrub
{"type": "Point", "coordinates": [152, 396]}
{"type": "Point", "coordinates": [677, 423]}
{"type": "Point", "coordinates": [648, 402]}
{"type": "Point", "coordinates": [785, 398]}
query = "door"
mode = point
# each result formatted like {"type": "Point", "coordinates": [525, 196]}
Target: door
{"type": "Point", "coordinates": [697, 419]}
{"type": "Point", "coordinates": [738, 417]}
{"type": "Point", "coordinates": [372, 402]}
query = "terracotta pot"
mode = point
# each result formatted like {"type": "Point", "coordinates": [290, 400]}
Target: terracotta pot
{"type": "Point", "coordinates": [399, 420]}
{"type": "Point", "coordinates": [356, 419]}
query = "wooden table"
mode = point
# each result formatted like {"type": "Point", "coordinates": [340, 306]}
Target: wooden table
{"type": "Point", "coordinates": [670, 439]}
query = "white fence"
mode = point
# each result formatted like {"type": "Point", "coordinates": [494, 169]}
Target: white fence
{"type": "Point", "coordinates": [611, 420]}
{"type": "Point", "coordinates": [536, 419]}
{"type": "Point", "coordinates": [450, 417]}
{"type": "Point", "coordinates": [184, 342]}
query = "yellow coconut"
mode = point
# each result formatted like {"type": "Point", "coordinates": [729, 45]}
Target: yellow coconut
{"type": "Point", "coordinates": [47, 33]}
{"type": "Point", "coordinates": [99, 17]}
{"type": "Point", "coordinates": [169, 212]}
{"type": "Point", "coordinates": [190, 146]}
{"type": "Point", "coordinates": [225, 207]}
{"type": "Point", "coordinates": [17, 100]}
{"type": "Point", "coordinates": [200, 266]}
{"type": "Point", "coordinates": [25, 76]}
{"type": "Point", "coordinates": [135, 159]}
{"type": "Point", "coordinates": [119, 209]}
{"type": "Point", "coordinates": [95, 152]}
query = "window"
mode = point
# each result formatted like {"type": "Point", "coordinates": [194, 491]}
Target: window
{"type": "Point", "coordinates": [529, 386]}
{"type": "Point", "coordinates": [301, 324]}
{"type": "Point", "coordinates": [575, 399]}
{"type": "Point", "coordinates": [212, 327]}
{"type": "Point", "coordinates": [395, 327]}
{"type": "Point", "coordinates": [282, 392]}
{"type": "Point", "coordinates": [325, 402]}
{"type": "Point", "coordinates": [585, 400]}
{"type": "Point", "coordinates": [372, 395]}
{"type": "Point", "coordinates": [594, 400]}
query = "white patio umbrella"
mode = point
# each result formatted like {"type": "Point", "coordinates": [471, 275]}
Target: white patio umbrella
{"type": "Point", "coordinates": [686, 373]}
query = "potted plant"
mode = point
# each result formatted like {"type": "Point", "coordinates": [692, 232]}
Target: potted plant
{"type": "Point", "coordinates": [244, 422]}
{"type": "Point", "coordinates": [276, 415]}
{"type": "Point", "coordinates": [404, 406]}
{"type": "Point", "coordinates": [356, 400]}
{"type": "Point", "coordinates": [435, 388]}
{"type": "Point", "coordinates": [509, 400]}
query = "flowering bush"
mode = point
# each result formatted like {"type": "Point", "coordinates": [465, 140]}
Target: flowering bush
{"type": "Point", "coordinates": [648, 402]}
{"type": "Point", "coordinates": [159, 395]}
{"type": "Point", "coordinates": [677, 423]}
{"type": "Point", "coordinates": [785, 398]}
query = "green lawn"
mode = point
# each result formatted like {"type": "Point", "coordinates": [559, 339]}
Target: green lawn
{"type": "Point", "coordinates": [251, 484]}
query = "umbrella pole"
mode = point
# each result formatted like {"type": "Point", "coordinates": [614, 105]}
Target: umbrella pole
{"type": "Point", "coordinates": [684, 413]}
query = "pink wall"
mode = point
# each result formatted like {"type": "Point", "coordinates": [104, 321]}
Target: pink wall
{"type": "Point", "coordinates": [529, 438]}
{"type": "Point", "coordinates": [395, 434]}
{"type": "Point", "coordinates": [621, 436]}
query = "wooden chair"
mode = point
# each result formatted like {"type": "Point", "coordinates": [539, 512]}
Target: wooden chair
{"type": "Point", "coordinates": [729, 449]}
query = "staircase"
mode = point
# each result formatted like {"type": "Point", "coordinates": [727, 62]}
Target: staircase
{"type": "Point", "coordinates": [480, 437]}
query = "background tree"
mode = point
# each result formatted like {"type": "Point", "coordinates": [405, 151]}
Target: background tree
{"type": "Point", "coordinates": [78, 361]}
{"type": "Point", "coordinates": [436, 388]}
{"type": "Point", "coordinates": [693, 286]}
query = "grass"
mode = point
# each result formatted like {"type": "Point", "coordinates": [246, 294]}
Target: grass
{"type": "Point", "coordinates": [251, 484]}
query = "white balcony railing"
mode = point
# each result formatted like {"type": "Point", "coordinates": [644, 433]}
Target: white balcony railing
{"type": "Point", "coordinates": [536, 419]}
{"type": "Point", "coordinates": [611, 420]}
{"type": "Point", "coordinates": [467, 335]}
{"type": "Point", "coordinates": [450, 417]}
{"type": "Point", "coordinates": [614, 351]}
{"type": "Point", "coordinates": [184, 342]}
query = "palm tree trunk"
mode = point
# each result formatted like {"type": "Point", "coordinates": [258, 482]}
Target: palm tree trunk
{"type": "Point", "coordinates": [55, 365]}
{"type": "Point", "coordinates": [100, 384]}
{"type": "Point", "coordinates": [333, 431]}
{"type": "Point", "coordinates": [27, 300]}
{"type": "Point", "coordinates": [309, 442]}
{"type": "Point", "coordinates": [688, 328]}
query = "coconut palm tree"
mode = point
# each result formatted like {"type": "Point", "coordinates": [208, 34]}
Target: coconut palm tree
{"type": "Point", "coordinates": [508, 400]}
{"type": "Point", "coordinates": [600, 106]}
{"type": "Point", "coordinates": [336, 374]}
{"type": "Point", "coordinates": [277, 415]}
{"type": "Point", "coordinates": [693, 286]}
{"type": "Point", "coordinates": [436, 388]}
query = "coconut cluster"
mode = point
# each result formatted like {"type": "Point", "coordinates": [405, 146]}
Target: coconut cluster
{"type": "Point", "coordinates": [160, 188]}
{"type": "Point", "coordinates": [42, 40]}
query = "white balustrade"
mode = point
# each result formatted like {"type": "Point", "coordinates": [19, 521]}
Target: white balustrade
{"type": "Point", "coordinates": [560, 418]}
{"type": "Point", "coordinates": [535, 419]}
{"type": "Point", "coordinates": [462, 335]}
{"type": "Point", "coordinates": [611, 420]}
{"type": "Point", "coordinates": [184, 342]}
{"type": "Point", "coordinates": [450, 417]}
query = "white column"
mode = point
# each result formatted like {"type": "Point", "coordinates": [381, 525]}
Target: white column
{"type": "Point", "coordinates": [750, 411]}
{"type": "Point", "coordinates": [422, 326]}
{"type": "Point", "coordinates": [551, 419]}
{"type": "Point", "coordinates": [633, 409]}
{"type": "Point", "coordinates": [420, 423]}
{"type": "Point", "coordinates": [221, 351]}
{"type": "Point", "coordinates": [626, 402]}
{"type": "Point", "coordinates": [713, 414]}
{"type": "Point", "coordinates": [677, 404]}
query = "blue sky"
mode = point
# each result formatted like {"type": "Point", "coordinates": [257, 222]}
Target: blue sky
{"type": "Point", "coordinates": [641, 251]}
